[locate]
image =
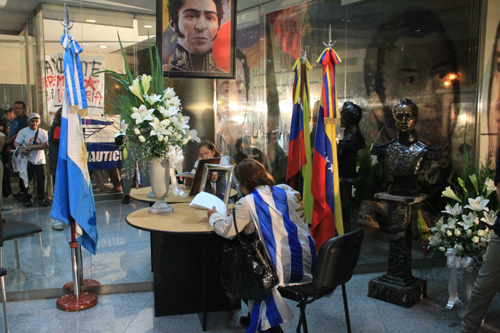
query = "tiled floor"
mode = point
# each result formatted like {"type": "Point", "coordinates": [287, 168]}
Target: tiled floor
{"type": "Point", "coordinates": [133, 313]}
{"type": "Point", "coordinates": [124, 256]}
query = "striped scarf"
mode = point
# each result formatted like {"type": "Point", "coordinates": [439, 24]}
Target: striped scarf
{"type": "Point", "coordinates": [278, 217]}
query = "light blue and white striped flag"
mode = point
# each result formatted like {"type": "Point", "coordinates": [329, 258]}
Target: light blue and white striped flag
{"type": "Point", "coordinates": [279, 214]}
{"type": "Point", "coordinates": [73, 194]}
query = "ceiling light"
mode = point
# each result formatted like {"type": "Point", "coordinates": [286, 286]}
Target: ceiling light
{"type": "Point", "coordinates": [148, 26]}
{"type": "Point", "coordinates": [103, 46]}
{"type": "Point", "coordinates": [90, 21]}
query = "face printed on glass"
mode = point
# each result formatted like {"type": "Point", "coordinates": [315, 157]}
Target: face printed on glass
{"type": "Point", "coordinates": [232, 105]}
{"type": "Point", "coordinates": [406, 118]}
{"type": "Point", "coordinates": [198, 25]}
{"type": "Point", "coordinates": [494, 99]}
{"type": "Point", "coordinates": [213, 176]}
{"type": "Point", "coordinates": [420, 69]}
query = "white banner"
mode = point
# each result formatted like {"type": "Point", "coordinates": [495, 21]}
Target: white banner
{"type": "Point", "coordinates": [94, 84]}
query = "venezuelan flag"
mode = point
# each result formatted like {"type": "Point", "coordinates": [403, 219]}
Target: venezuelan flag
{"type": "Point", "coordinates": [299, 151]}
{"type": "Point", "coordinates": [327, 212]}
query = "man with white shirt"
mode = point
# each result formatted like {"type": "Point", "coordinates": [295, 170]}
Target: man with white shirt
{"type": "Point", "coordinates": [33, 141]}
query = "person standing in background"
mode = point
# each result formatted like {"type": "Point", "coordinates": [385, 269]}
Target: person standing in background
{"type": "Point", "coordinates": [54, 138]}
{"type": "Point", "coordinates": [18, 123]}
{"type": "Point", "coordinates": [33, 141]}
{"type": "Point", "coordinates": [7, 121]}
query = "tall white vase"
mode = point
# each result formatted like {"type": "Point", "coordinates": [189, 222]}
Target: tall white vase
{"type": "Point", "coordinates": [160, 182]}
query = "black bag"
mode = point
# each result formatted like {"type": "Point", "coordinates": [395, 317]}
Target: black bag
{"type": "Point", "coordinates": [246, 270]}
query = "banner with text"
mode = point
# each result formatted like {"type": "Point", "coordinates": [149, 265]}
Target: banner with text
{"type": "Point", "coordinates": [99, 133]}
{"type": "Point", "coordinates": [94, 83]}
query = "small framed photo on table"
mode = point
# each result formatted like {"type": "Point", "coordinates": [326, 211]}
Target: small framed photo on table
{"type": "Point", "coordinates": [217, 180]}
{"type": "Point", "coordinates": [196, 38]}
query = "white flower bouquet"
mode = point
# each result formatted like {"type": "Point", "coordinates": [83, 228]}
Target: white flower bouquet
{"type": "Point", "coordinates": [466, 226]}
{"type": "Point", "coordinates": [151, 116]}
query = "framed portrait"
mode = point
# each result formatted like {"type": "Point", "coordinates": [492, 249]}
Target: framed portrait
{"type": "Point", "coordinates": [217, 180]}
{"type": "Point", "coordinates": [196, 38]}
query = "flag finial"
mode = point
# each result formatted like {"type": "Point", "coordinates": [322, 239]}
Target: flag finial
{"type": "Point", "coordinates": [330, 43]}
{"type": "Point", "coordinates": [303, 57]}
{"type": "Point", "coordinates": [67, 24]}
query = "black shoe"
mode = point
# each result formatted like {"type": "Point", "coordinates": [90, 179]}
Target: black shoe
{"type": "Point", "coordinates": [126, 199]}
{"type": "Point", "coordinates": [28, 203]}
{"type": "Point", "coordinates": [43, 203]}
{"type": "Point", "coordinates": [245, 320]}
{"type": "Point", "coordinates": [5, 195]}
{"type": "Point", "coordinates": [15, 195]}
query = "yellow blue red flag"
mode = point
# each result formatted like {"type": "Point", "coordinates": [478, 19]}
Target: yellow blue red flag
{"type": "Point", "coordinates": [299, 167]}
{"type": "Point", "coordinates": [327, 212]}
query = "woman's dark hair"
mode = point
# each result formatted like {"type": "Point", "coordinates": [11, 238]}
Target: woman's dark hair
{"type": "Point", "coordinates": [210, 145]}
{"type": "Point", "coordinates": [57, 120]}
{"type": "Point", "coordinates": [251, 174]}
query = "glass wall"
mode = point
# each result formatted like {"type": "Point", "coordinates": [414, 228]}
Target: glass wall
{"type": "Point", "coordinates": [423, 50]}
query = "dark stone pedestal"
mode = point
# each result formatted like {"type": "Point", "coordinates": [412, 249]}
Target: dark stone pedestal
{"type": "Point", "coordinates": [345, 201]}
{"type": "Point", "coordinates": [398, 286]}
{"type": "Point", "coordinates": [387, 289]}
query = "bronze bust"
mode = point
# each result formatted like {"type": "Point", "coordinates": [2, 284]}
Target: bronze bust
{"type": "Point", "coordinates": [403, 158]}
{"type": "Point", "coordinates": [347, 148]}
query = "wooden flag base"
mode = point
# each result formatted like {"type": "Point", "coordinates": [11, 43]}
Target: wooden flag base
{"type": "Point", "coordinates": [86, 283]}
{"type": "Point", "coordinates": [69, 302]}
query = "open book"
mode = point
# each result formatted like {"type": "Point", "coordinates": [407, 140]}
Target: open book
{"type": "Point", "coordinates": [208, 201]}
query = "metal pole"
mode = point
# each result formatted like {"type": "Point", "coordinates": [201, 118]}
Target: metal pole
{"type": "Point", "coordinates": [74, 245]}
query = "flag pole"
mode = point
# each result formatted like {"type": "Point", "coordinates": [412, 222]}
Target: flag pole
{"type": "Point", "coordinates": [77, 300]}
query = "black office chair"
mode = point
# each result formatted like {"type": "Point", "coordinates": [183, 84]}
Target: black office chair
{"type": "Point", "coordinates": [3, 272]}
{"type": "Point", "coordinates": [16, 229]}
{"type": "Point", "coordinates": [336, 262]}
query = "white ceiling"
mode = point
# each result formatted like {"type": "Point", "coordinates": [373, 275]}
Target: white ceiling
{"type": "Point", "coordinates": [14, 13]}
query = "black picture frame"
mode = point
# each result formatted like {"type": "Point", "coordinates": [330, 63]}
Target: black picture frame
{"type": "Point", "coordinates": [222, 53]}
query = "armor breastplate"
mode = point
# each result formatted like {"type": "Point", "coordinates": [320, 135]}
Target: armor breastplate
{"type": "Point", "coordinates": [404, 161]}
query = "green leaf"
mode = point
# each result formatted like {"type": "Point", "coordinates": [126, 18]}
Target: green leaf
{"type": "Point", "coordinates": [127, 67]}
{"type": "Point", "coordinates": [462, 184]}
{"type": "Point", "coordinates": [473, 179]}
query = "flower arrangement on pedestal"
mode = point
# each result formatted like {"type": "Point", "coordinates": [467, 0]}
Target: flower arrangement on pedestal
{"type": "Point", "coordinates": [151, 116]}
{"type": "Point", "coordinates": [152, 122]}
{"type": "Point", "coordinates": [465, 228]}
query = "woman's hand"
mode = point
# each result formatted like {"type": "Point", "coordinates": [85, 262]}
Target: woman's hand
{"type": "Point", "coordinates": [211, 211]}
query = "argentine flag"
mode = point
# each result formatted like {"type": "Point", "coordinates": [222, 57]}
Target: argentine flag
{"type": "Point", "coordinates": [73, 196]}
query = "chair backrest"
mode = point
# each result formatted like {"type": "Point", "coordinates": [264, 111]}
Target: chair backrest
{"type": "Point", "coordinates": [336, 261]}
{"type": "Point", "coordinates": [1, 230]}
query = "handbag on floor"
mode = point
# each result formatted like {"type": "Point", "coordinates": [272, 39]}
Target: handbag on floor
{"type": "Point", "coordinates": [246, 270]}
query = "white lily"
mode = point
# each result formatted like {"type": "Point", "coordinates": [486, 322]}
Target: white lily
{"type": "Point", "coordinates": [489, 217]}
{"type": "Point", "coordinates": [468, 220]}
{"type": "Point", "coordinates": [168, 112]}
{"type": "Point", "coordinates": [175, 101]}
{"type": "Point", "coordinates": [193, 135]}
{"type": "Point", "coordinates": [152, 99]}
{"type": "Point", "coordinates": [457, 232]}
{"type": "Point", "coordinates": [142, 139]}
{"type": "Point", "coordinates": [159, 127]}
{"type": "Point", "coordinates": [123, 127]}
{"type": "Point", "coordinates": [168, 93]}
{"type": "Point", "coordinates": [478, 204]}
{"type": "Point", "coordinates": [435, 239]}
{"type": "Point", "coordinates": [142, 113]}
{"type": "Point", "coordinates": [475, 239]}
{"type": "Point", "coordinates": [136, 131]}
{"type": "Point", "coordinates": [490, 186]}
{"type": "Point", "coordinates": [453, 211]}
{"type": "Point", "coordinates": [450, 223]}
{"type": "Point", "coordinates": [145, 81]}
{"type": "Point", "coordinates": [136, 89]}
{"type": "Point", "coordinates": [480, 233]}
{"type": "Point", "coordinates": [448, 192]}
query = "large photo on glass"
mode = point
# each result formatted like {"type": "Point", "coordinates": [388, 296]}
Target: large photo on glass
{"type": "Point", "coordinates": [196, 38]}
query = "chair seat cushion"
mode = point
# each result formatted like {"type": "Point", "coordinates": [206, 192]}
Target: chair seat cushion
{"type": "Point", "coordinates": [3, 271]}
{"type": "Point", "coordinates": [16, 229]}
